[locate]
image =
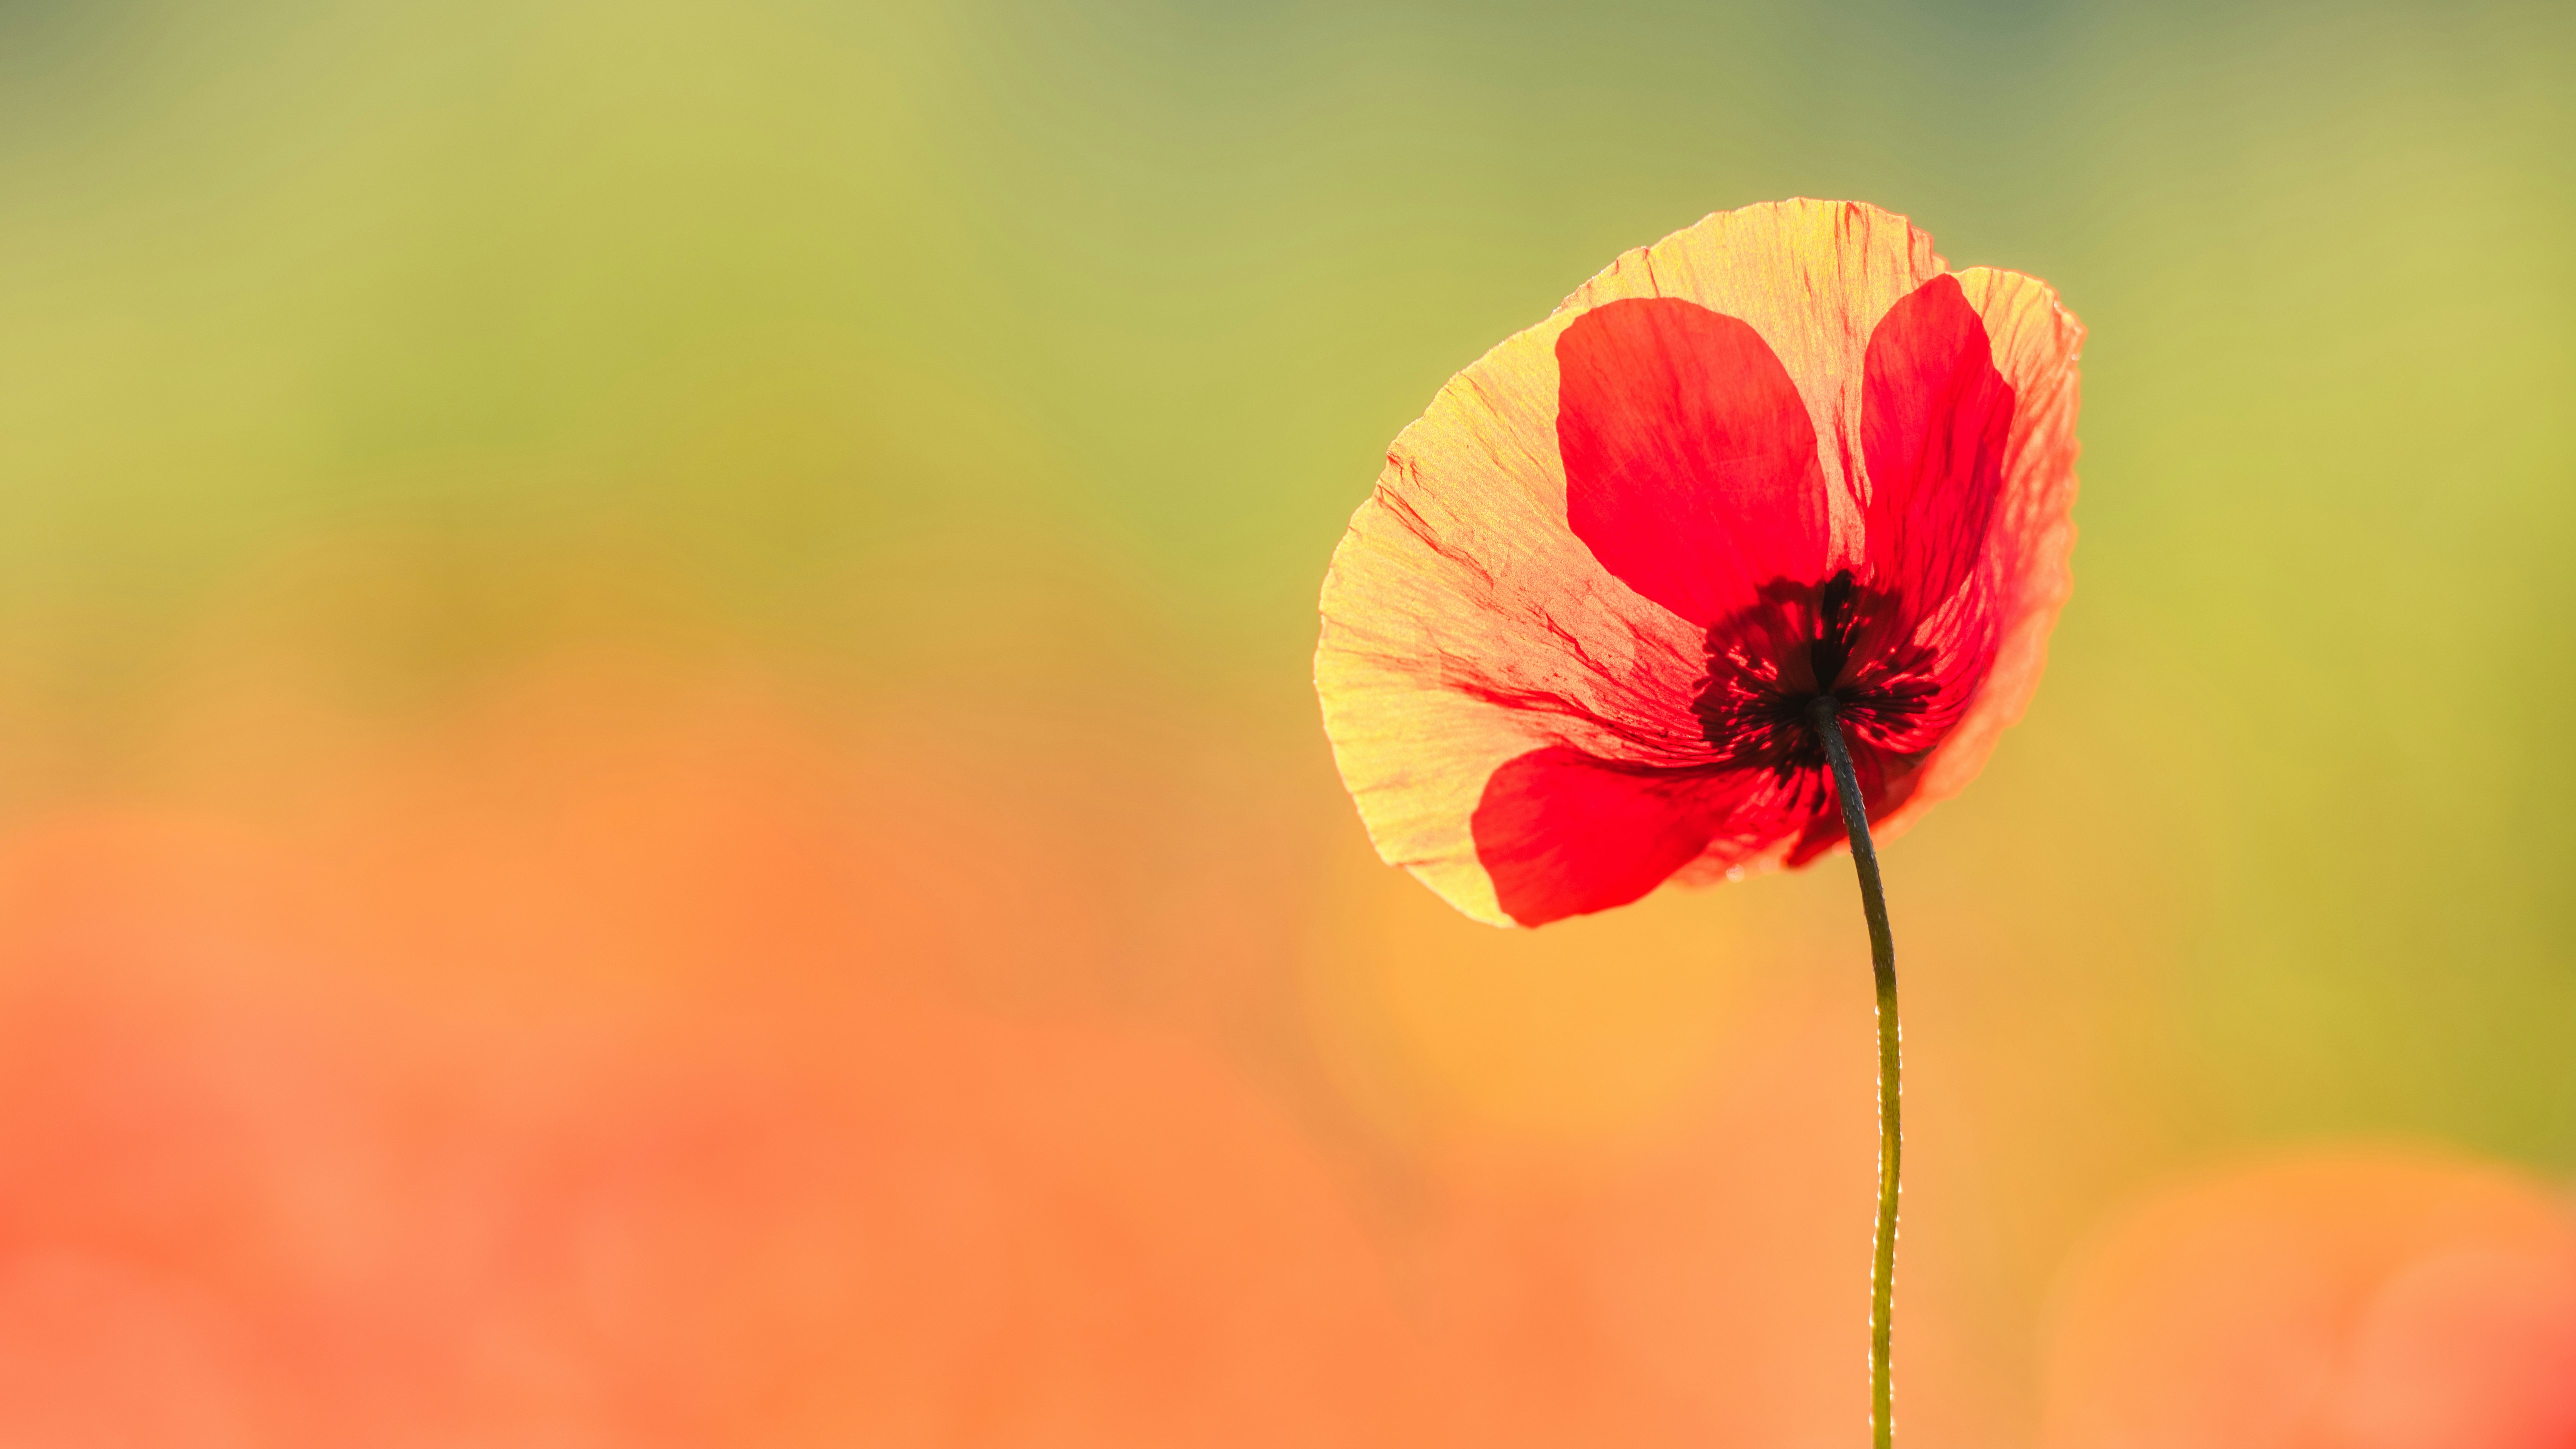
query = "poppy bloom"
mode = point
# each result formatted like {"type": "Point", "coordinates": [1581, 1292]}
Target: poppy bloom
{"type": "Point", "coordinates": [1573, 644]}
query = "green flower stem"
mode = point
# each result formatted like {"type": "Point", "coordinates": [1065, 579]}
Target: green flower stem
{"type": "Point", "coordinates": [1891, 1133]}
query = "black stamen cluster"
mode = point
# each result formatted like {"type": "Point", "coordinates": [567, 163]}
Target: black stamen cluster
{"type": "Point", "coordinates": [1768, 665]}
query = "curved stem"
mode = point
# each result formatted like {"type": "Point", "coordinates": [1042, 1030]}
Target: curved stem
{"type": "Point", "coordinates": [1891, 1134]}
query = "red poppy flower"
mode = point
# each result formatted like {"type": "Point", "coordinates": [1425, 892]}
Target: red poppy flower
{"type": "Point", "coordinates": [1570, 642]}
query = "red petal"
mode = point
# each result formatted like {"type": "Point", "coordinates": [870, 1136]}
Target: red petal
{"type": "Point", "coordinates": [1562, 833]}
{"type": "Point", "coordinates": [1690, 461]}
{"type": "Point", "coordinates": [2030, 534]}
{"type": "Point", "coordinates": [1934, 418]}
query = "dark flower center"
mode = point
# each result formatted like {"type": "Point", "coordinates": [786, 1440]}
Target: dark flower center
{"type": "Point", "coordinates": [1767, 665]}
{"type": "Point", "coordinates": [1830, 650]}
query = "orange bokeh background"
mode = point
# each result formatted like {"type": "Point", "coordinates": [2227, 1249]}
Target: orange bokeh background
{"type": "Point", "coordinates": [625, 1059]}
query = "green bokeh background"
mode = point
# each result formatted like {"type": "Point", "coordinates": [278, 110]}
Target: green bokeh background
{"type": "Point", "coordinates": [845, 338]}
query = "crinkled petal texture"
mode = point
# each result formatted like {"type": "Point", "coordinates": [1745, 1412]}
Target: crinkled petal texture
{"type": "Point", "coordinates": [1565, 640]}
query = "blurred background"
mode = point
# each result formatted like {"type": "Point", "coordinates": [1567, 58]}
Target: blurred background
{"type": "Point", "coordinates": [658, 783]}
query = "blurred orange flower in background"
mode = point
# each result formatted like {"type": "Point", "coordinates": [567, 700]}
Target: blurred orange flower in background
{"type": "Point", "coordinates": [2351, 1300]}
{"type": "Point", "coordinates": [605, 1071]}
